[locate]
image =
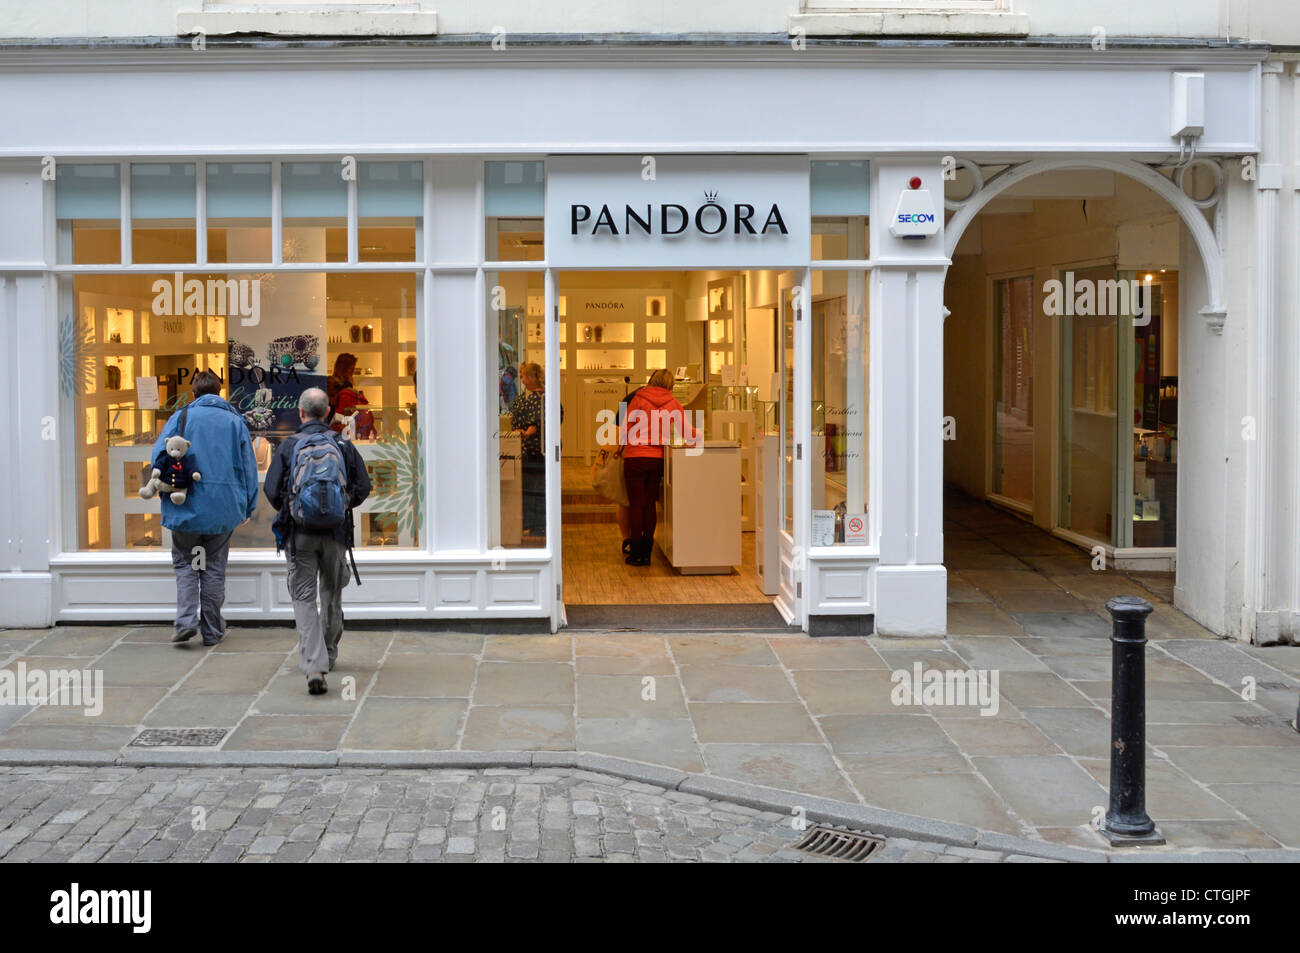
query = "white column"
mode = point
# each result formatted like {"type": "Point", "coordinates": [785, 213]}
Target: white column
{"type": "Point", "coordinates": [1258, 624]}
{"type": "Point", "coordinates": [30, 391]}
{"type": "Point", "coordinates": [907, 392]}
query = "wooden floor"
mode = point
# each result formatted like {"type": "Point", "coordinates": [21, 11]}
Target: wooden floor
{"type": "Point", "coordinates": [595, 574]}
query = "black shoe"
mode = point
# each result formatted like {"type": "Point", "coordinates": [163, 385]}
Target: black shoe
{"type": "Point", "coordinates": [316, 684]}
{"type": "Point", "coordinates": [641, 550]}
{"type": "Point", "coordinates": [184, 635]}
{"type": "Point", "coordinates": [627, 547]}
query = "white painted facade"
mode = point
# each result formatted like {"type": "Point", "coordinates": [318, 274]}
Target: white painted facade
{"type": "Point", "coordinates": [452, 106]}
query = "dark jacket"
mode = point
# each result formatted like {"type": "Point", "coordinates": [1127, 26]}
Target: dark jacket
{"type": "Point", "coordinates": [280, 473]}
{"type": "Point", "coordinates": [222, 452]}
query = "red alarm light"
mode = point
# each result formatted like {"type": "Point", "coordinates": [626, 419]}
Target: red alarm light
{"type": "Point", "coordinates": [915, 182]}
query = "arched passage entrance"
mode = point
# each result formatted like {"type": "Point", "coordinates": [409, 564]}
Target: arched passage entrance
{"type": "Point", "coordinates": [1071, 416]}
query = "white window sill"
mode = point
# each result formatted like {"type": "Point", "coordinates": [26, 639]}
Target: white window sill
{"type": "Point", "coordinates": [406, 20]}
{"type": "Point", "coordinates": [886, 23]}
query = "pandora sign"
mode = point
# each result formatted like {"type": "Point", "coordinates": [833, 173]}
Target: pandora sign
{"type": "Point", "coordinates": [677, 211]}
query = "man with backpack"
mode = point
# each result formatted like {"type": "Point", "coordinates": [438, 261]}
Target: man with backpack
{"type": "Point", "coordinates": [315, 481]}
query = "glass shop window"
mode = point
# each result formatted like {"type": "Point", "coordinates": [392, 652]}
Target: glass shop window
{"type": "Point", "coordinates": [314, 202]}
{"type": "Point", "coordinates": [519, 389]}
{"type": "Point", "coordinates": [131, 344]}
{"type": "Point", "coordinates": [88, 212]}
{"type": "Point", "coordinates": [514, 203]}
{"type": "Point", "coordinates": [239, 212]}
{"type": "Point", "coordinates": [840, 461]}
{"type": "Point", "coordinates": [390, 209]}
{"type": "Point", "coordinates": [164, 201]}
{"type": "Point", "coordinates": [840, 209]}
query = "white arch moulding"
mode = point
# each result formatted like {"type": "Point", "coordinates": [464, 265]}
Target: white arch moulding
{"type": "Point", "coordinates": [1207, 242]}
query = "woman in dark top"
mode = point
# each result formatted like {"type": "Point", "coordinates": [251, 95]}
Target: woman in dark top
{"type": "Point", "coordinates": [528, 415]}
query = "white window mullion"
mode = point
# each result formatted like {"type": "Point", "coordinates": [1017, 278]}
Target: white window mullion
{"type": "Point", "coordinates": [352, 217]}
{"type": "Point", "coordinates": [201, 212]}
{"type": "Point", "coordinates": [277, 216]}
{"type": "Point", "coordinates": [125, 176]}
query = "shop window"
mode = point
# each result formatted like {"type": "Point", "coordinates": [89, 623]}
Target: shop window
{"type": "Point", "coordinates": [514, 200]}
{"type": "Point", "coordinates": [239, 211]}
{"type": "Point", "coordinates": [840, 209]}
{"type": "Point", "coordinates": [839, 458]}
{"type": "Point", "coordinates": [130, 347]}
{"type": "Point", "coordinates": [519, 388]}
{"type": "Point", "coordinates": [163, 209]}
{"type": "Point", "coordinates": [314, 200]}
{"type": "Point", "coordinates": [390, 209]}
{"type": "Point", "coordinates": [88, 210]}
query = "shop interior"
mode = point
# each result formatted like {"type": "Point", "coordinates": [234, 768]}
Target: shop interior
{"type": "Point", "coordinates": [728, 338]}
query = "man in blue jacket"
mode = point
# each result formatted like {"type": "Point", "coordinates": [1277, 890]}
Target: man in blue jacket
{"type": "Point", "coordinates": [223, 498]}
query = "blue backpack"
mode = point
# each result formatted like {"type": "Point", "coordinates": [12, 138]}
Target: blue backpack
{"type": "Point", "coordinates": [318, 484]}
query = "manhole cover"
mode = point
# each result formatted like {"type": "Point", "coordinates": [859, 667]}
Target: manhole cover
{"type": "Point", "coordinates": [179, 737]}
{"type": "Point", "coordinates": [840, 845]}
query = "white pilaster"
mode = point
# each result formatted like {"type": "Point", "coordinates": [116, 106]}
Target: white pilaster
{"type": "Point", "coordinates": [907, 389]}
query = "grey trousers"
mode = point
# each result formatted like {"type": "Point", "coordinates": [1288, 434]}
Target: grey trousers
{"type": "Point", "coordinates": [318, 565]}
{"type": "Point", "coordinates": [200, 592]}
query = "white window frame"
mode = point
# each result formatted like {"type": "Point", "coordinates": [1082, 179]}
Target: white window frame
{"type": "Point", "coordinates": [904, 6]}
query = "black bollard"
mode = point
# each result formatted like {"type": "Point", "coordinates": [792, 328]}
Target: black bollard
{"type": "Point", "coordinates": [1126, 820]}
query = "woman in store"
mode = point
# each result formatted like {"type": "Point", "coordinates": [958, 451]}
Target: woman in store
{"type": "Point", "coordinates": [528, 415]}
{"type": "Point", "coordinates": [649, 414]}
{"type": "Point", "coordinates": [343, 395]}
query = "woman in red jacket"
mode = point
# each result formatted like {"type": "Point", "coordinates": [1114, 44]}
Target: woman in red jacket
{"type": "Point", "coordinates": [652, 414]}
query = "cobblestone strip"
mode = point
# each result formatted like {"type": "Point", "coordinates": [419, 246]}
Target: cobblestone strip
{"type": "Point", "coordinates": [259, 815]}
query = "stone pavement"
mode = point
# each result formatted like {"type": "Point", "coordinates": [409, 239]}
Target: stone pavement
{"type": "Point", "coordinates": [259, 815]}
{"type": "Point", "coordinates": [816, 717]}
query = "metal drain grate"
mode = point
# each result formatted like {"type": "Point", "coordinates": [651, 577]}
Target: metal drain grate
{"type": "Point", "coordinates": [840, 845]}
{"type": "Point", "coordinates": [179, 738]}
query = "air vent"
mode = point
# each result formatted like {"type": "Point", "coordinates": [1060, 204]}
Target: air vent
{"type": "Point", "coordinates": [179, 738]}
{"type": "Point", "coordinates": [839, 845]}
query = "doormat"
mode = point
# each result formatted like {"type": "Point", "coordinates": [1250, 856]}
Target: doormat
{"type": "Point", "coordinates": [746, 617]}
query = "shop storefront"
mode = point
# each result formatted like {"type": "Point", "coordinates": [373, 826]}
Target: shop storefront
{"type": "Point", "coordinates": [768, 224]}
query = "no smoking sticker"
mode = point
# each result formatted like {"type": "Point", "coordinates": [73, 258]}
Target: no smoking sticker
{"type": "Point", "coordinates": [855, 529]}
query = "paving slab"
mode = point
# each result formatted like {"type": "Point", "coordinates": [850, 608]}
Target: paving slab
{"type": "Point", "coordinates": [429, 724]}
{"type": "Point", "coordinates": [800, 768]}
{"type": "Point", "coordinates": [524, 683]}
{"type": "Point", "coordinates": [1063, 624]}
{"type": "Point", "coordinates": [1044, 791]}
{"type": "Point", "coordinates": [753, 723]}
{"type": "Point", "coordinates": [668, 742]}
{"type": "Point", "coordinates": [288, 733]}
{"type": "Point", "coordinates": [519, 727]}
{"type": "Point", "coordinates": [709, 682]}
{"type": "Point", "coordinates": [427, 675]}
{"type": "Point", "coordinates": [623, 696]}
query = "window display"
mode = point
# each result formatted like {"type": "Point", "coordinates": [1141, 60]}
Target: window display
{"type": "Point", "coordinates": [132, 343]}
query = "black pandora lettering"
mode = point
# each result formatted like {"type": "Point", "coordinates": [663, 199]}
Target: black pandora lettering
{"type": "Point", "coordinates": [709, 219]}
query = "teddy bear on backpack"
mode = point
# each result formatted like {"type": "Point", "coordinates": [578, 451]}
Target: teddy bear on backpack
{"type": "Point", "coordinates": [172, 473]}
